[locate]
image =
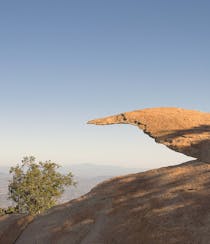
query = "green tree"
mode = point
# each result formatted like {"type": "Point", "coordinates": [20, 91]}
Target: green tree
{"type": "Point", "coordinates": [36, 187]}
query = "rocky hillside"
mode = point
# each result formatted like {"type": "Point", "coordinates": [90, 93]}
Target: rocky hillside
{"type": "Point", "coordinates": [166, 205]}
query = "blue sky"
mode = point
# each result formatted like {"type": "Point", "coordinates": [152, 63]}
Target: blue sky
{"type": "Point", "coordinates": [63, 63]}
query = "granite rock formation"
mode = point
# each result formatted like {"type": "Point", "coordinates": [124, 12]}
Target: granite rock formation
{"type": "Point", "coordinates": [184, 131]}
{"type": "Point", "coordinates": [167, 205]}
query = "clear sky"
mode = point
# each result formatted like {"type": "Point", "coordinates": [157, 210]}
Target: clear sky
{"type": "Point", "coordinates": [65, 62]}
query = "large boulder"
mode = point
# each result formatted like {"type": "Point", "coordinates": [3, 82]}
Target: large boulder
{"type": "Point", "coordinates": [185, 131]}
{"type": "Point", "coordinates": [167, 205]}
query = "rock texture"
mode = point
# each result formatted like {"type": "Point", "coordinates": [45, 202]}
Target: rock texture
{"type": "Point", "coordinates": [167, 205]}
{"type": "Point", "coordinates": [12, 226]}
{"type": "Point", "coordinates": [185, 131]}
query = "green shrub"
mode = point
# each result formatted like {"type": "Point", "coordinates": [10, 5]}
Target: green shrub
{"type": "Point", "coordinates": [36, 187]}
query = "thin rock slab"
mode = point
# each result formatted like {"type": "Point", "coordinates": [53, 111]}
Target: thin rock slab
{"type": "Point", "coordinates": [182, 130]}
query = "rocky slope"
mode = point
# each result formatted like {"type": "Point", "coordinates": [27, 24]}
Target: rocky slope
{"type": "Point", "coordinates": [166, 205]}
{"type": "Point", "coordinates": [185, 131]}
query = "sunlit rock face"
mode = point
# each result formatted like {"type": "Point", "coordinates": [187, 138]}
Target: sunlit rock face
{"type": "Point", "coordinates": [182, 130]}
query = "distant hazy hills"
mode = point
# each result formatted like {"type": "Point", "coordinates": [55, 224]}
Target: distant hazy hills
{"type": "Point", "coordinates": [89, 170]}
{"type": "Point", "coordinates": [87, 176]}
{"type": "Point", "coordinates": [4, 178]}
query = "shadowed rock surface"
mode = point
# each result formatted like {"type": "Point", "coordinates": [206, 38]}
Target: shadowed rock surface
{"type": "Point", "coordinates": [167, 205]}
{"type": "Point", "coordinates": [184, 131]}
{"type": "Point", "coordinates": [12, 226]}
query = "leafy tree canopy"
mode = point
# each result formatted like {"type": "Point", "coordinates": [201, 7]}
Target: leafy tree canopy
{"type": "Point", "coordinates": [36, 187]}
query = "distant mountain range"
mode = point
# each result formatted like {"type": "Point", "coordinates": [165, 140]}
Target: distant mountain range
{"type": "Point", "coordinates": [88, 170]}
{"type": "Point", "coordinates": [87, 176]}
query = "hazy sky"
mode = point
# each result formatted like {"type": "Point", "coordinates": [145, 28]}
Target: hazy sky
{"type": "Point", "coordinates": [65, 62]}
